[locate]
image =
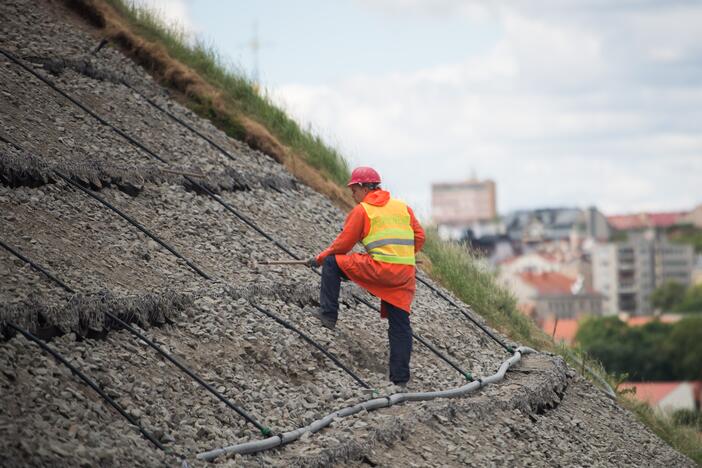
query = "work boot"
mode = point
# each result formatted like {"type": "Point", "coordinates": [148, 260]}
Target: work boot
{"type": "Point", "coordinates": [327, 322]}
{"type": "Point", "coordinates": [401, 387]}
{"type": "Point", "coordinates": [393, 388]}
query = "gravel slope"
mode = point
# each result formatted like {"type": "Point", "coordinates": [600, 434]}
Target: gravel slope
{"type": "Point", "coordinates": [49, 418]}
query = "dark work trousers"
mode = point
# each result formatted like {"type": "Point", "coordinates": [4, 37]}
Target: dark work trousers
{"type": "Point", "coordinates": [400, 337]}
{"type": "Point", "coordinates": [399, 327]}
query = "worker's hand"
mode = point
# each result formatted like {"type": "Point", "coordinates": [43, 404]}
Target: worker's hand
{"type": "Point", "coordinates": [312, 262]}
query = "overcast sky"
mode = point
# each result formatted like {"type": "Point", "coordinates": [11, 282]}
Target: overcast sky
{"type": "Point", "coordinates": [560, 102]}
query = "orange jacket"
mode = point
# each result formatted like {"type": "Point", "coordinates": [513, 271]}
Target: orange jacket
{"type": "Point", "coordinates": [392, 283]}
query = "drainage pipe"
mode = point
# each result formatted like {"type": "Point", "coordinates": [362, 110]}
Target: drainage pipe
{"type": "Point", "coordinates": [369, 405]}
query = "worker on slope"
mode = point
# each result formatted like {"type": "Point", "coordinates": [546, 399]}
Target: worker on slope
{"type": "Point", "coordinates": [392, 236]}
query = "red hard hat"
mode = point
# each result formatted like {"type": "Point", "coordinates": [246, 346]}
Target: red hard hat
{"type": "Point", "coordinates": [364, 175]}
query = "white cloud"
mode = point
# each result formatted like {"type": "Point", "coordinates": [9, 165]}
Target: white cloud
{"type": "Point", "coordinates": [174, 12]}
{"type": "Point", "coordinates": [571, 107]}
{"type": "Point", "coordinates": [435, 8]}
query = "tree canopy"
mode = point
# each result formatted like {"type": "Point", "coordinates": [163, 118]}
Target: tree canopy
{"type": "Point", "coordinates": [655, 351]}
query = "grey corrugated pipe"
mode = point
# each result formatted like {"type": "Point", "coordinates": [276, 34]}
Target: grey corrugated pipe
{"type": "Point", "coordinates": [369, 405]}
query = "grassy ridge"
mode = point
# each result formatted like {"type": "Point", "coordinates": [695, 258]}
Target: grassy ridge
{"type": "Point", "coordinates": [453, 266]}
{"type": "Point", "coordinates": [241, 94]}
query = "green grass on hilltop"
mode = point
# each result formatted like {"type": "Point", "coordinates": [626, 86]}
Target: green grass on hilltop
{"type": "Point", "coordinates": [239, 91]}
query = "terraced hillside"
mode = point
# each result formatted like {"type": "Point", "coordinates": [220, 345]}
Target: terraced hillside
{"type": "Point", "coordinates": [120, 208]}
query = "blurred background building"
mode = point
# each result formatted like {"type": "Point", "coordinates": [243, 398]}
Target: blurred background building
{"type": "Point", "coordinates": [459, 206]}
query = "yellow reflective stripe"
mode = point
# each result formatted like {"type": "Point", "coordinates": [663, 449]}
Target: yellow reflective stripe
{"type": "Point", "coordinates": [398, 249]}
{"type": "Point", "coordinates": [384, 242]}
{"type": "Point", "coordinates": [394, 259]}
{"type": "Point", "coordinates": [388, 234]}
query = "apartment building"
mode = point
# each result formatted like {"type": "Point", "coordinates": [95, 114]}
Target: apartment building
{"type": "Point", "coordinates": [628, 272]}
{"type": "Point", "coordinates": [554, 224]}
{"type": "Point", "coordinates": [461, 204]}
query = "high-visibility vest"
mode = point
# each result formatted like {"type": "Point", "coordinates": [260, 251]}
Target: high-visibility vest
{"type": "Point", "coordinates": [390, 238]}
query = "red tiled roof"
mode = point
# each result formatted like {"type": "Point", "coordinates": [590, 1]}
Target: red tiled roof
{"type": "Point", "coordinates": [565, 329]}
{"type": "Point", "coordinates": [549, 283]}
{"type": "Point", "coordinates": [651, 392]}
{"type": "Point", "coordinates": [644, 220]}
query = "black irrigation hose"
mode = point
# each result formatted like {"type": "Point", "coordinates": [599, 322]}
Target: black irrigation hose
{"type": "Point", "coordinates": [460, 309]}
{"type": "Point", "coordinates": [135, 223]}
{"type": "Point", "coordinates": [128, 218]}
{"type": "Point", "coordinates": [245, 219]}
{"type": "Point", "coordinates": [467, 375]}
{"type": "Point", "coordinates": [192, 181]}
{"type": "Point", "coordinates": [196, 132]}
{"type": "Point", "coordinates": [37, 267]}
{"type": "Point", "coordinates": [264, 430]}
{"type": "Point", "coordinates": [290, 326]}
{"type": "Point", "coordinates": [180, 121]}
{"type": "Point", "coordinates": [147, 151]}
{"type": "Point", "coordinates": [79, 104]}
{"type": "Point", "coordinates": [88, 381]}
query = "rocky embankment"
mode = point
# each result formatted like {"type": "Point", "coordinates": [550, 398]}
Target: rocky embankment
{"type": "Point", "coordinates": [204, 304]}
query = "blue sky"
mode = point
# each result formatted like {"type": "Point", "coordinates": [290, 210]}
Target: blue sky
{"type": "Point", "coordinates": [313, 42]}
{"type": "Point", "coordinates": [561, 102]}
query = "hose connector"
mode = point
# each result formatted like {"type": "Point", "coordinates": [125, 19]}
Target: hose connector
{"type": "Point", "coordinates": [266, 431]}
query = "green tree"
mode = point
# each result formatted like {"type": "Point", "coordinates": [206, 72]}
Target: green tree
{"type": "Point", "coordinates": [655, 351]}
{"type": "Point", "coordinates": [685, 348]}
{"type": "Point", "coordinates": [609, 340]}
{"type": "Point", "coordinates": [687, 234]}
{"type": "Point", "coordinates": [668, 295]}
{"type": "Point", "coordinates": [691, 301]}
{"type": "Point", "coordinates": [652, 360]}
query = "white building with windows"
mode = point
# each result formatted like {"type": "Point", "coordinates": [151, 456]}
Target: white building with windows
{"type": "Point", "coordinates": [627, 273]}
